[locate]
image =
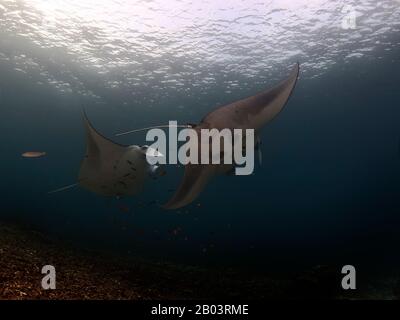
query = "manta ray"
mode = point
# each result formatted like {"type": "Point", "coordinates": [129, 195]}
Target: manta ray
{"type": "Point", "coordinates": [250, 113]}
{"type": "Point", "coordinates": [112, 169]}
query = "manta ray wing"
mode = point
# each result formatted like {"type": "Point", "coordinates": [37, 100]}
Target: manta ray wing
{"type": "Point", "coordinates": [99, 168]}
{"type": "Point", "coordinates": [255, 111]}
{"type": "Point", "coordinates": [98, 146]}
{"type": "Point", "coordinates": [194, 180]}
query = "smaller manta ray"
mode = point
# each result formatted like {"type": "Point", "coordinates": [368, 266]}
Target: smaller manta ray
{"type": "Point", "coordinates": [112, 169]}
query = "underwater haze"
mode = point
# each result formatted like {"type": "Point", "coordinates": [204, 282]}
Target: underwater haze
{"type": "Point", "coordinates": [328, 190]}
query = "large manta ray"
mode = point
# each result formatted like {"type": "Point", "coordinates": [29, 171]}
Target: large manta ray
{"type": "Point", "coordinates": [250, 113]}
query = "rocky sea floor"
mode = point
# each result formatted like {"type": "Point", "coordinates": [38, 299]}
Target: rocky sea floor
{"type": "Point", "coordinates": [84, 274]}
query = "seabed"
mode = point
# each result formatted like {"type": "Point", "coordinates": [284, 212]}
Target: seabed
{"type": "Point", "coordinates": [91, 275]}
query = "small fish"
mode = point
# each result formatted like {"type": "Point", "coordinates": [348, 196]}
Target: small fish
{"type": "Point", "coordinates": [33, 154]}
{"type": "Point", "coordinates": [130, 162]}
{"type": "Point", "coordinates": [126, 175]}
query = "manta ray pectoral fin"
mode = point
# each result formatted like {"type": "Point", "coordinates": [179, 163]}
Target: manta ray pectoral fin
{"type": "Point", "coordinates": [265, 106]}
{"type": "Point", "coordinates": [276, 98]}
{"type": "Point", "coordinates": [195, 179]}
{"type": "Point", "coordinates": [97, 143]}
{"type": "Point", "coordinates": [92, 148]}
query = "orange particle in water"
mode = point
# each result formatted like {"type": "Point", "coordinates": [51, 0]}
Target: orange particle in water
{"type": "Point", "coordinates": [33, 154]}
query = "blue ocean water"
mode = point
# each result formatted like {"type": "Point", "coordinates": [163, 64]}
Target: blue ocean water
{"type": "Point", "coordinates": [328, 190]}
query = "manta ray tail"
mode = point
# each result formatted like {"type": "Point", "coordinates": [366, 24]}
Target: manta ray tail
{"type": "Point", "coordinates": [153, 127]}
{"type": "Point", "coordinates": [64, 188]}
